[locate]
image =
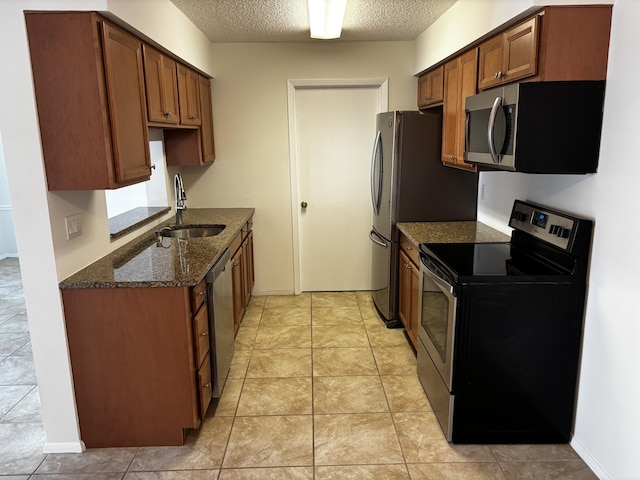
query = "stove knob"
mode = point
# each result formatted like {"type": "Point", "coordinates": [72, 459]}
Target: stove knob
{"type": "Point", "coordinates": [564, 233]}
{"type": "Point", "coordinates": [520, 216]}
{"type": "Point", "coordinates": [553, 229]}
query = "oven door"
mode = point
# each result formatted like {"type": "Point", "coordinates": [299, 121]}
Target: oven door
{"type": "Point", "coordinates": [436, 330]}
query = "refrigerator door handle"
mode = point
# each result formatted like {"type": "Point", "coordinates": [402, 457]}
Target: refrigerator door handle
{"type": "Point", "coordinates": [377, 239]}
{"type": "Point", "coordinates": [376, 171]}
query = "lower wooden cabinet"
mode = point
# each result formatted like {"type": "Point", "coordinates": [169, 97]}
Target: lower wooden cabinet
{"type": "Point", "coordinates": [242, 271]}
{"type": "Point", "coordinates": [141, 375]}
{"type": "Point", "coordinates": [409, 289]}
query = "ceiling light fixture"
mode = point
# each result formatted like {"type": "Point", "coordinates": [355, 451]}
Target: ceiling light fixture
{"type": "Point", "coordinates": [325, 18]}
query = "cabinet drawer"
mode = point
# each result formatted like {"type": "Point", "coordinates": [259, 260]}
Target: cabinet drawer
{"type": "Point", "coordinates": [205, 386]}
{"type": "Point", "coordinates": [201, 331]}
{"type": "Point", "coordinates": [410, 249]}
{"type": "Point", "coordinates": [198, 294]}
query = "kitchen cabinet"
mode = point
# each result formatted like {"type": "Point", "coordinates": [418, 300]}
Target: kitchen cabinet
{"type": "Point", "coordinates": [161, 84]}
{"type": "Point", "coordinates": [509, 56]}
{"type": "Point", "coordinates": [140, 363]}
{"type": "Point", "coordinates": [460, 76]}
{"type": "Point", "coordinates": [188, 94]}
{"type": "Point", "coordinates": [89, 87]}
{"type": "Point", "coordinates": [430, 87]}
{"type": "Point", "coordinates": [242, 271]}
{"type": "Point", "coordinates": [556, 44]}
{"type": "Point", "coordinates": [193, 146]}
{"type": "Point", "coordinates": [206, 126]}
{"type": "Point", "coordinates": [409, 288]}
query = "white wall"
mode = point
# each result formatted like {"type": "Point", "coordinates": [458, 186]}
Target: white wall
{"type": "Point", "coordinates": [8, 247]}
{"type": "Point", "coordinates": [251, 126]}
{"type": "Point", "coordinates": [45, 255]}
{"type": "Point", "coordinates": [607, 420]}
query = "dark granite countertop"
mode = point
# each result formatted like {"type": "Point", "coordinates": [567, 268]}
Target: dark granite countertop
{"type": "Point", "coordinates": [451, 232]}
{"type": "Point", "coordinates": [127, 222]}
{"type": "Point", "coordinates": [177, 263]}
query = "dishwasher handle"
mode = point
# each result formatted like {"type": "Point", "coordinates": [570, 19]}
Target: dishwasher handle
{"type": "Point", "coordinates": [218, 267]}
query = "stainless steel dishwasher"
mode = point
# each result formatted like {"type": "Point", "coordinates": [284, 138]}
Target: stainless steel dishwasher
{"type": "Point", "coordinates": [220, 305]}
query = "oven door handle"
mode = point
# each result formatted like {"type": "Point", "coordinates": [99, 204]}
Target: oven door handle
{"type": "Point", "coordinates": [439, 281]}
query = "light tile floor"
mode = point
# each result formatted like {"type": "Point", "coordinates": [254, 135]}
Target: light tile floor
{"type": "Point", "coordinates": [318, 389]}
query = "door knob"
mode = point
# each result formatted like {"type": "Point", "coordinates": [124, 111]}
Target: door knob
{"type": "Point", "coordinates": [303, 204]}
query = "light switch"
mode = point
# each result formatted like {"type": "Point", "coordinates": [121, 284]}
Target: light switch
{"type": "Point", "coordinates": [73, 224]}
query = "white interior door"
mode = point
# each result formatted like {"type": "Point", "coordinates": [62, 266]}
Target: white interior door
{"type": "Point", "coordinates": [334, 127]}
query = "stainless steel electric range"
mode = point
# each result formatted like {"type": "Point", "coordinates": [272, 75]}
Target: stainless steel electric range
{"type": "Point", "coordinates": [501, 327]}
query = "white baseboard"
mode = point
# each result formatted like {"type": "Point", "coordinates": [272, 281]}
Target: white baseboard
{"type": "Point", "coordinates": [589, 460]}
{"type": "Point", "coordinates": [272, 292]}
{"type": "Point", "coordinates": [64, 447]}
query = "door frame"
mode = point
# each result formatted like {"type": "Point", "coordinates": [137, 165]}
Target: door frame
{"type": "Point", "coordinates": [382, 84]}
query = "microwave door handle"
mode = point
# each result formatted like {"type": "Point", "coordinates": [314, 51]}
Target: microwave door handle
{"type": "Point", "coordinates": [376, 190]}
{"type": "Point", "coordinates": [491, 129]}
{"type": "Point", "coordinates": [466, 131]}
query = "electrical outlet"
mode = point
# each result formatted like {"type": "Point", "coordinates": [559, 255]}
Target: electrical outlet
{"type": "Point", "coordinates": [73, 224]}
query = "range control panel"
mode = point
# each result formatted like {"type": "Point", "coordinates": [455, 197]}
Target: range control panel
{"type": "Point", "coordinates": [548, 225]}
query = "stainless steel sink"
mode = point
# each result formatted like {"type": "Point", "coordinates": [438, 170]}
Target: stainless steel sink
{"type": "Point", "coordinates": [191, 231]}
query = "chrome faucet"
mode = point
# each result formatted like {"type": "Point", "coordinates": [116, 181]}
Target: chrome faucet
{"type": "Point", "coordinates": [181, 196]}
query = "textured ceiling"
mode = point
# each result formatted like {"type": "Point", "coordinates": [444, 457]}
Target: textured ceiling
{"type": "Point", "coordinates": [235, 21]}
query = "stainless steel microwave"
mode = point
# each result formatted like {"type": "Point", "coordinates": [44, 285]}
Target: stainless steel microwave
{"type": "Point", "coordinates": [536, 127]}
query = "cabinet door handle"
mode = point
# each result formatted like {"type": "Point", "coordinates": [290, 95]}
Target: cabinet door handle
{"type": "Point", "coordinates": [193, 117]}
{"type": "Point", "coordinates": [208, 385]}
{"type": "Point", "coordinates": [237, 263]}
{"type": "Point", "coordinates": [205, 334]}
{"type": "Point", "coordinates": [201, 293]}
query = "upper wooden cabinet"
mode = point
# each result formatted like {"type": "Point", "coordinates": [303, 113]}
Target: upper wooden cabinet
{"type": "Point", "coordinates": [161, 87]}
{"type": "Point", "coordinates": [430, 87]}
{"type": "Point", "coordinates": [558, 43]}
{"type": "Point", "coordinates": [509, 56]}
{"type": "Point", "coordinates": [89, 87]}
{"type": "Point", "coordinates": [188, 93]}
{"type": "Point", "coordinates": [206, 129]}
{"type": "Point", "coordinates": [460, 76]}
{"type": "Point", "coordinates": [193, 147]}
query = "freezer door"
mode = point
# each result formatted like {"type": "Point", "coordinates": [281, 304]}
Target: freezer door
{"type": "Point", "coordinates": [381, 287]}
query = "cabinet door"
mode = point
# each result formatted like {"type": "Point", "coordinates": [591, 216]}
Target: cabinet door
{"type": "Point", "coordinates": [127, 107]}
{"type": "Point", "coordinates": [414, 285]}
{"type": "Point", "coordinates": [237, 271]}
{"type": "Point", "coordinates": [490, 62]}
{"type": "Point", "coordinates": [206, 127]}
{"type": "Point", "coordinates": [520, 51]}
{"type": "Point", "coordinates": [468, 79]}
{"type": "Point", "coordinates": [248, 279]}
{"type": "Point", "coordinates": [451, 111]}
{"type": "Point", "coordinates": [161, 86]}
{"type": "Point", "coordinates": [460, 78]}
{"type": "Point", "coordinates": [430, 87]}
{"type": "Point", "coordinates": [188, 85]}
{"type": "Point", "coordinates": [404, 291]}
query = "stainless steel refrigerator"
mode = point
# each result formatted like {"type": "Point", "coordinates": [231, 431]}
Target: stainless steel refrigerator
{"type": "Point", "coordinates": [409, 183]}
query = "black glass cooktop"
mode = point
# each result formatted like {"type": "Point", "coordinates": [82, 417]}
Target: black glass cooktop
{"type": "Point", "coordinates": [470, 260]}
